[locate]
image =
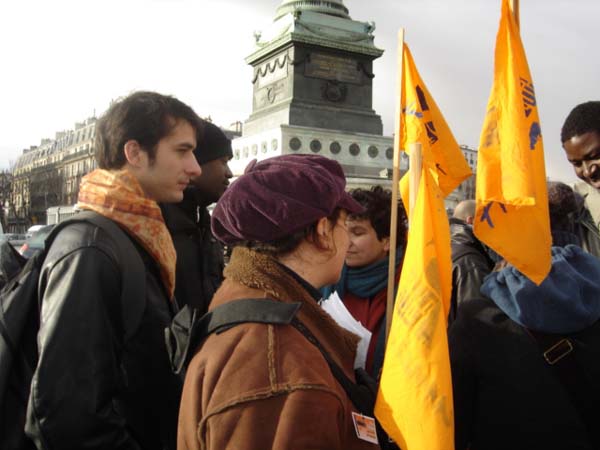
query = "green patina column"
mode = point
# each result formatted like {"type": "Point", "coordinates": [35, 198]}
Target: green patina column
{"type": "Point", "coordinates": [313, 68]}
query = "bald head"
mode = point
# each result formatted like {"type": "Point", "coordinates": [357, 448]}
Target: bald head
{"type": "Point", "coordinates": [465, 210]}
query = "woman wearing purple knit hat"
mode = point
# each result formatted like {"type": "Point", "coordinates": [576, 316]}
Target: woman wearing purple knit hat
{"type": "Point", "coordinates": [275, 386]}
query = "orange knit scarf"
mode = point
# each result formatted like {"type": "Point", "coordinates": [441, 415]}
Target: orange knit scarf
{"type": "Point", "coordinates": [118, 196]}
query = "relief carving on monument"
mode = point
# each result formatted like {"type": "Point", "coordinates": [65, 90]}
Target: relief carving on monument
{"type": "Point", "coordinates": [271, 93]}
{"type": "Point", "coordinates": [335, 68]}
{"type": "Point", "coordinates": [334, 91]}
{"type": "Point", "coordinates": [271, 71]}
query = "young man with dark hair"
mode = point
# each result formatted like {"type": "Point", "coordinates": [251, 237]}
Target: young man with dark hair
{"type": "Point", "coordinates": [580, 136]}
{"type": "Point", "coordinates": [363, 284]}
{"type": "Point", "coordinates": [103, 378]}
{"type": "Point", "coordinates": [200, 260]}
{"type": "Point", "coordinates": [146, 117]}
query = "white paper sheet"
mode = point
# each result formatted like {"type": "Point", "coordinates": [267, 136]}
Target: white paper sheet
{"type": "Point", "coordinates": [336, 309]}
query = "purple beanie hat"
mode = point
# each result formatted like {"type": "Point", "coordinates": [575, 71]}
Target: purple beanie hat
{"type": "Point", "coordinates": [279, 196]}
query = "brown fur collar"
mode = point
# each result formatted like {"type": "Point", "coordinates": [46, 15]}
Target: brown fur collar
{"type": "Point", "coordinates": [258, 271]}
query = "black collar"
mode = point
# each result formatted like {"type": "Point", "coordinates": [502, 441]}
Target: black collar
{"type": "Point", "coordinates": [313, 291]}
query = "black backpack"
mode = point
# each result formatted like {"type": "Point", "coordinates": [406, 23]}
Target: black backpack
{"type": "Point", "coordinates": [11, 263]}
{"type": "Point", "coordinates": [19, 325]}
{"type": "Point", "coordinates": [188, 331]}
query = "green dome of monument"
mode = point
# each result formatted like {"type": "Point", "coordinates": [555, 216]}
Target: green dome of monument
{"type": "Point", "coordinates": [331, 7]}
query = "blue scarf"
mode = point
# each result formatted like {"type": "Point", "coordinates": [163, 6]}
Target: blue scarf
{"type": "Point", "coordinates": [364, 282]}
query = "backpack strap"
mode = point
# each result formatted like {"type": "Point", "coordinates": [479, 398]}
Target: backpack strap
{"type": "Point", "coordinates": [188, 331]}
{"type": "Point", "coordinates": [362, 395]}
{"type": "Point", "coordinates": [133, 269]}
{"type": "Point", "coordinates": [558, 352]}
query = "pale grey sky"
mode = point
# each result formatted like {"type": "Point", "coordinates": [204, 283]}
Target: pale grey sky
{"type": "Point", "coordinates": [62, 60]}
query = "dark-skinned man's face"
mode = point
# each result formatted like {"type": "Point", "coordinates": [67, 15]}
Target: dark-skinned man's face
{"type": "Point", "coordinates": [583, 152]}
{"type": "Point", "coordinates": [214, 179]}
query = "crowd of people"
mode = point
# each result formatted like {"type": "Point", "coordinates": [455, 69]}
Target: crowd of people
{"type": "Point", "coordinates": [252, 360]}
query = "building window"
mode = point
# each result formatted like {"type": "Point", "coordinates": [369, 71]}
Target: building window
{"type": "Point", "coordinates": [245, 152]}
{"type": "Point", "coordinates": [274, 145]}
{"type": "Point", "coordinates": [315, 146]}
{"type": "Point", "coordinates": [254, 149]}
{"type": "Point", "coordinates": [389, 153]}
{"type": "Point", "coordinates": [236, 153]}
{"type": "Point", "coordinates": [263, 146]}
{"type": "Point", "coordinates": [295, 144]}
{"type": "Point", "coordinates": [354, 149]}
{"type": "Point", "coordinates": [373, 151]}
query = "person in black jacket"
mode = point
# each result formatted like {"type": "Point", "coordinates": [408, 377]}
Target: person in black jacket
{"type": "Point", "coordinates": [507, 346]}
{"type": "Point", "coordinates": [470, 261]}
{"type": "Point", "coordinates": [200, 260]}
{"type": "Point", "coordinates": [103, 379]}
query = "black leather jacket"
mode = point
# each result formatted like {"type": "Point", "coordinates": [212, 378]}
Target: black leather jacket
{"type": "Point", "coordinates": [470, 265]}
{"type": "Point", "coordinates": [103, 379]}
{"type": "Point", "coordinates": [200, 260]}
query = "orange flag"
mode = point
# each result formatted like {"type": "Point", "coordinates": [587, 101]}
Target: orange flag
{"type": "Point", "coordinates": [423, 122]}
{"type": "Point", "coordinates": [414, 403]}
{"type": "Point", "coordinates": [511, 193]}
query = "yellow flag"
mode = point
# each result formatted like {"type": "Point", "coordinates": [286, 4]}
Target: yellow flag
{"type": "Point", "coordinates": [423, 122]}
{"type": "Point", "coordinates": [512, 198]}
{"type": "Point", "coordinates": [414, 403]}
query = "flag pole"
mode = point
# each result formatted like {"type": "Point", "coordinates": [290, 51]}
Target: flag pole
{"type": "Point", "coordinates": [395, 189]}
{"type": "Point", "coordinates": [514, 7]}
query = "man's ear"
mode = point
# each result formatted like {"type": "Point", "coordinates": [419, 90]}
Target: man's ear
{"type": "Point", "coordinates": [133, 152]}
{"type": "Point", "coordinates": [386, 244]}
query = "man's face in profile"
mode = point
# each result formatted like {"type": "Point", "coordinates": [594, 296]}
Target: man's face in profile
{"type": "Point", "coordinates": [214, 179]}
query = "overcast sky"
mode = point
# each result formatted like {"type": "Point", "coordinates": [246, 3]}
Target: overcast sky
{"type": "Point", "coordinates": [63, 60]}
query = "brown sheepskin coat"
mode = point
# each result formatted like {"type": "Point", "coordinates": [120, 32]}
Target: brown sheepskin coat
{"type": "Point", "coordinates": [259, 387]}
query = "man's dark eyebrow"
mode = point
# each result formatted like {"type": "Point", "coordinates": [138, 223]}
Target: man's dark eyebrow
{"type": "Point", "coordinates": [593, 153]}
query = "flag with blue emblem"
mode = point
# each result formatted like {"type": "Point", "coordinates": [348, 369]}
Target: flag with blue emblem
{"type": "Point", "coordinates": [414, 403]}
{"type": "Point", "coordinates": [423, 122]}
{"type": "Point", "coordinates": [512, 199]}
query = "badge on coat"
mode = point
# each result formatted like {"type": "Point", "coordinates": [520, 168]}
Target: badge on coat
{"type": "Point", "coordinates": [365, 428]}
